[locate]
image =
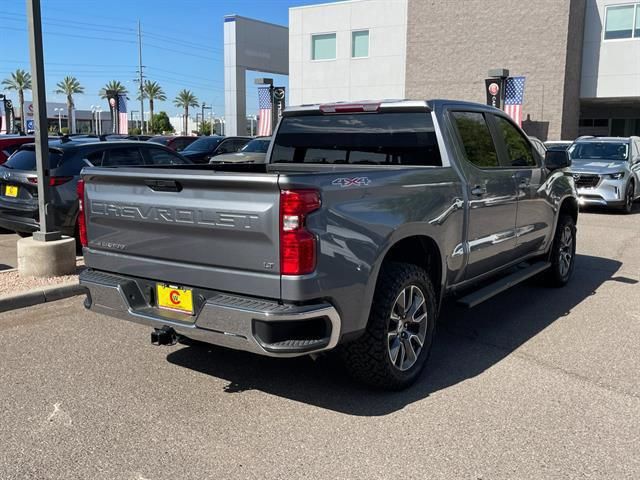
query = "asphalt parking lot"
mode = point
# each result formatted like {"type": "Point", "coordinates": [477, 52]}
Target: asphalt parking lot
{"type": "Point", "coordinates": [536, 383]}
{"type": "Point", "coordinates": [8, 255]}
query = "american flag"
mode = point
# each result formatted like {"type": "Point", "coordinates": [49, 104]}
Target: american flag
{"type": "Point", "coordinates": [514, 98]}
{"type": "Point", "coordinates": [264, 112]}
{"type": "Point", "coordinates": [123, 121]}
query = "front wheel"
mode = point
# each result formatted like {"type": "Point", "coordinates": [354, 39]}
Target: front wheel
{"type": "Point", "coordinates": [396, 344]}
{"type": "Point", "coordinates": [628, 199]}
{"type": "Point", "coordinates": [563, 252]}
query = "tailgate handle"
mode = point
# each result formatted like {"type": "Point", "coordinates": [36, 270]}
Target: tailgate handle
{"type": "Point", "coordinates": [164, 185]}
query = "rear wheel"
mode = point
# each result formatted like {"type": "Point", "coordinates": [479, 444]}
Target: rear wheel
{"type": "Point", "coordinates": [563, 253]}
{"type": "Point", "coordinates": [396, 344]}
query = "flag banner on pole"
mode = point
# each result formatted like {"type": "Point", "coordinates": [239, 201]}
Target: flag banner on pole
{"type": "Point", "coordinates": [264, 112]}
{"type": "Point", "coordinates": [123, 123]}
{"type": "Point", "coordinates": [514, 98]}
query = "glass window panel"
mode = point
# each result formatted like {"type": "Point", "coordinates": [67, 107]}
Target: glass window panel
{"type": "Point", "coordinates": [360, 44]}
{"type": "Point", "coordinates": [323, 47]}
{"type": "Point", "coordinates": [619, 22]}
{"type": "Point", "coordinates": [637, 34]}
{"type": "Point", "coordinates": [518, 148]}
{"type": "Point", "coordinates": [476, 139]}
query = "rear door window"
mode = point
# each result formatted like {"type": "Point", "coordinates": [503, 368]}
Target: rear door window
{"type": "Point", "coordinates": [391, 138]}
{"type": "Point", "coordinates": [519, 149]}
{"type": "Point", "coordinates": [476, 139]}
{"type": "Point", "coordinates": [117, 157]}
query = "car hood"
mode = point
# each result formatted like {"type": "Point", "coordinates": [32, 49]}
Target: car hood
{"type": "Point", "coordinates": [240, 157]}
{"type": "Point", "coordinates": [598, 166]}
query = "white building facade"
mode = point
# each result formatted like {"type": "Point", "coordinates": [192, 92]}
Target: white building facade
{"type": "Point", "coordinates": [352, 50]}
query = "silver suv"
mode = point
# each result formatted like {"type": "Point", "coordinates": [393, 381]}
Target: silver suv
{"type": "Point", "coordinates": [606, 171]}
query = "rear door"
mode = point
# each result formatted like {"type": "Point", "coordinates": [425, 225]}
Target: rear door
{"type": "Point", "coordinates": [491, 236]}
{"type": "Point", "coordinates": [535, 213]}
{"type": "Point", "coordinates": [188, 227]}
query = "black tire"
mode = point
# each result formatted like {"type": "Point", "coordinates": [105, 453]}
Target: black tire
{"type": "Point", "coordinates": [558, 275]}
{"type": "Point", "coordinates": [369, 358]}
{"type": "Point", "coordinates": [628, 199]}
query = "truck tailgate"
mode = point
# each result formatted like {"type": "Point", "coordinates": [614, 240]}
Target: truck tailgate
{"type": "Point", "coordinates": [191, 227]}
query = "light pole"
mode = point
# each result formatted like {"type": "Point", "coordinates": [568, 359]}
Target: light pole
{"type": "Point", "coordinates": [99, 111]}
{"type": "Point", "coordinates": [204, 107]}
{"type": "Point", "coordinates": [94, 121]}
{"type": "Point", "coordinates": [59, 110]}
{"type": "Point", "coordinates": [252, 119]}
{"type": "Point", "coordinates": [47, 231]}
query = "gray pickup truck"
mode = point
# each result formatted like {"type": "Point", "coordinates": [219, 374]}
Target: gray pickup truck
{"type": "Point", "coordinates": [362, 219]}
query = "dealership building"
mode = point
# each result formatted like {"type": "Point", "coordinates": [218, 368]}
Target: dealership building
{"type": "Point", "coordinates": [581, 58]}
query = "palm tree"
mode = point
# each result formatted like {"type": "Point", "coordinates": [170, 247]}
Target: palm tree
{"type": "Point", "coordinates": [69, 86]}
{"type": "Point", "coordinates": [115, 85]}
{"type": "Point", "coordinates": [152, 91]}
{"type": "Point", "coordinates": [186, 99]}
{"type": "Point", "coordinates": [20, 80]}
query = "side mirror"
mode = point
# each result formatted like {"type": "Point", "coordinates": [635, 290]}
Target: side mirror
{"type": "Point", "coordinates": [557, 159]}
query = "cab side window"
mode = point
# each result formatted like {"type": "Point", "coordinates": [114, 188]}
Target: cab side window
{"type": "Point", "coordinates": [519, 149]}
{"type": "Point", "coordinates": [95, 158]}
{"type": "Point", "coordinates": [159, 156]}
{"type": "Point", "coordinates": [117, 157]}
{"type": "Point", "coordinates": [476, 139]}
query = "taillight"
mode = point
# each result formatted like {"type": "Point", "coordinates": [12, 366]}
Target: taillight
{"type": "Point", "coordinates": [82, 220]}
{"type": "Point", "coordinates": [363, 107]}
{"type": "Point", "coordinates": [53, 181]}
{"type": "Point", "coordinates": [297, 244]}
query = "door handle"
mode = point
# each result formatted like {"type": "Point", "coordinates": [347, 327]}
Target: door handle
{"type": "Point", "coordinates": [478, 191]}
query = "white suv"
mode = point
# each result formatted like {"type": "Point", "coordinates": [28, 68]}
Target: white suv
{"type": "Point", "coordinates": [606, 171]}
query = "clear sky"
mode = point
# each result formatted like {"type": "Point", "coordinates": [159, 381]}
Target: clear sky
{"type": "Point", "coordinates": [96, 41]}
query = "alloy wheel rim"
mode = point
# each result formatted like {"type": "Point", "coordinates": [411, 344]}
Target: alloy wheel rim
{"type": "Point", "coordinates": [407, 328]}
{"type": "Point", "coordinates": [566, 251]}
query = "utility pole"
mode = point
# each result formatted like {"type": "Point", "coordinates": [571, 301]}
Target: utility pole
{"type": "Point", "coordinates": [141, 76]}
{"type": "Point", "coordinates": [34, 21]}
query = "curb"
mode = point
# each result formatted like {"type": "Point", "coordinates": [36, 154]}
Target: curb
{"type": "Point", "coordinates": [41, 295]}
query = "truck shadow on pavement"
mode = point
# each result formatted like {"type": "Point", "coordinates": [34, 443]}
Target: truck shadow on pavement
{"type": "Point", "coordinates": [467, 343]}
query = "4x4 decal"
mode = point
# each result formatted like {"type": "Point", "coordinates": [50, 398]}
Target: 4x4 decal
{"type": "Point", "coordinates": [351, 182]}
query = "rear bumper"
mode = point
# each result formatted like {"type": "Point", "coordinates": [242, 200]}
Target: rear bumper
{"type": "Point", "coordinates": [18, 224]}
{"type": "Point", "coordinates": [238, 322]}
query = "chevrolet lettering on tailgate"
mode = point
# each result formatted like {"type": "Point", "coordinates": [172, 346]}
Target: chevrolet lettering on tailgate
{"type": "Point", "coordinates": [244, 221]}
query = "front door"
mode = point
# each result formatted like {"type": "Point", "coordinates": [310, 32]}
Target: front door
{"type": "Point", "coordinates": [535, 215]}
{"type": "Point", "coordinates": [492, 193]}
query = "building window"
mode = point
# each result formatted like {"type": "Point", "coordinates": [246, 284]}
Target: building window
{"type": "Point", "coordinates": [323, 46]}
{"type": "Point", "coordinates": [620, 22]}
{"type": "Point", "coordinates": [360, 44]}
{"type": "Point", "coordinates": [637, 25]}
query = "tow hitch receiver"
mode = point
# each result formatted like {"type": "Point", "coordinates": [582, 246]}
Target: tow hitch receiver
{"type": "Point", "coordinates": [164, 336]}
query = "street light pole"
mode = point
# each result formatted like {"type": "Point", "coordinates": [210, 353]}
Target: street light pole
{"type": "Point", "coordinates": [34, 21]}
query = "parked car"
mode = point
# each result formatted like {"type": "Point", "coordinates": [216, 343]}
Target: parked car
{"type": "Point", "coordinates": [558, 144]}
{"type": "Point", "coordinates": [538, 145]}
{"type": "Point", "coordinates": [363, 219]}
{"type": "Point", "coordinates": [205, 148]}
{"type": "Point", "coordinates": [607, 171]}
{"type": "Point", "coordinates": [10, 143]}
{"type": "Point", "coordinates": [174, 142]}
{"type": "Point", "coordinates": [18, 180]}
{"type": "Point", "coordinates": [253, 152]}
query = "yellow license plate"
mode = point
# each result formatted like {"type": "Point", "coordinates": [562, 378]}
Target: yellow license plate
{"type": "Point", "coordinates": [174, 298]}
{"type": "Point", "coordinates": [11, 191]}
